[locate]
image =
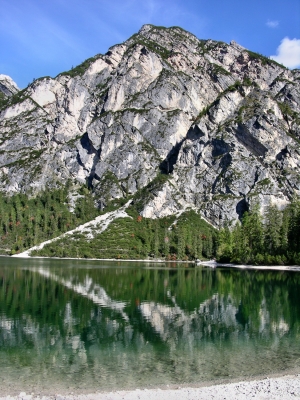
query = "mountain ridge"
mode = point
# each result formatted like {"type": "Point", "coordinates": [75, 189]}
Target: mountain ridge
{"type": "Point", "coordinates": [220, 123]}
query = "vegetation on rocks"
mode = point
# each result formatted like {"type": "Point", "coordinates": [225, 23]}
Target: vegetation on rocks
{"type": "Point", "coordinates": [14, 99]}
{"type": "Point", "coordinates": [3, 100]}
{"type": "Point", "coordinates": [80, 69]}
{"type": "Point", "coordinates": [186, 238]}
{"type": "Point", "coordinates": [264, 60]}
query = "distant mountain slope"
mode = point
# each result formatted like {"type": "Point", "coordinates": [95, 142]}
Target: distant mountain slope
{"type": "Point", "coordinates": [173, 120]}
{"type": "Point", "coordinates": [7, 86]}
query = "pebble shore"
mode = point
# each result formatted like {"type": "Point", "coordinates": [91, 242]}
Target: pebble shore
{"type": "Point", "coordinates": [286, 387]}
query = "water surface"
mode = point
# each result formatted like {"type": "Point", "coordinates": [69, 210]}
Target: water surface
{"type": "Point", "coordinates": [68, 325]}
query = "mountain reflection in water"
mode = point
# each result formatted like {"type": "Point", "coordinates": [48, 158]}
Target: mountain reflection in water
{"type": "Point", "coordinates": [91, 326]}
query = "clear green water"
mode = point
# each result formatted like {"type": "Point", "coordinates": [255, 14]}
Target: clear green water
{"type": "Point", "coordinates": [85, 326]}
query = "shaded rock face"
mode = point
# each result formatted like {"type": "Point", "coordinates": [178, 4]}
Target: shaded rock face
{"type": "Point", "coordinates": [7, 86]}
{"type": "Point", "coordinates": [222, 122]}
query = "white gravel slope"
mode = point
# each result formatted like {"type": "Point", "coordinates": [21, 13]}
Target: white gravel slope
{"type": "Point", "coordinates": [101, 223]}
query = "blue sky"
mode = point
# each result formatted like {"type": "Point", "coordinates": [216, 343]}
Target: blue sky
{"type": "Point", "coordinates": [39, 38]}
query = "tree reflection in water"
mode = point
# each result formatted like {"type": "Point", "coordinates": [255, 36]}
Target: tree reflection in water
{"type": "Point", "coordinates": [93, 325]}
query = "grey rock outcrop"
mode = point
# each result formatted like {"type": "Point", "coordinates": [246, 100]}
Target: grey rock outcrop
{"type": "Point", "coordinates": [7, 86]}
{"type": "Point", "coordinates": [220, 121]}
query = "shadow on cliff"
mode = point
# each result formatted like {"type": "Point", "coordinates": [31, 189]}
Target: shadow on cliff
{"type": "Point", "coordinates": [167, 166]}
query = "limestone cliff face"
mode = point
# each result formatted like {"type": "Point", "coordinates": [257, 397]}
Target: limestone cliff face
{"type": "Point", "coordinates": [7, 86]}
{"type": "Point", "coordinates": [222, 122]}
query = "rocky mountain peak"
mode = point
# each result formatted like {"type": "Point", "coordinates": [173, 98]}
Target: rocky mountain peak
{"type": "Point", "coordinates": [170, 37]}
{"type": "Point", "coordinates": [7, 86]}
{"type": "Point", "coordinates": [172, 120]}
{"type": "Point", "coordinates": [145, 28]}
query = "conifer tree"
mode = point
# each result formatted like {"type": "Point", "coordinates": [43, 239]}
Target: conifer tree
{"type": "Point", "coordinates": [294, 225]}
{"type": "Point", "coordinates": [181, 242]}
{"type": "Point", "coordinates": [225, 245]}
{"type": "Point", "coordinates": [284, 231]}
{"type": "Point", "coordinates": [208, 245]}
{"type": "Point", "coordinates": [156, 241]}
{"type": "Point", "coordinates": [273, 223]}
{"type": "Point", "coordinates": [240, 249]}
{"type": "Point", "coordinates": [253, 231]}
{"type": "Point", "coordinates": [196, 247]}
{"type": "Point", "coordinates": [199, 246]}
{"type": "Point", "coordinates": [167, 242]}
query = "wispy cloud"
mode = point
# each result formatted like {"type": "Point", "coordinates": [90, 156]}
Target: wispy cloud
{"type": "Point", "coordinates": [272, 23]}
{"type": "Point", "coordinates": [156, 12]}
{"type": "Point", "coordinates": [41, 36]}
{"type": "Point", "coordinates": [288, 53]}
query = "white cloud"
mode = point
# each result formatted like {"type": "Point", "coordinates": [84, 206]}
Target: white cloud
{"type": "Point", "coordinates": [288, 53]}
{"type": "Point", "coordinates": [272, 24]}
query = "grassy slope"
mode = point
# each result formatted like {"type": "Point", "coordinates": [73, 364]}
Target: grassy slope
{"type": "Point", "coordinates": [135, 237]}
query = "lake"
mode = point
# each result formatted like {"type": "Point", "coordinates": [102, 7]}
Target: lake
{"type": "Point", "coordinates": [85, 326]}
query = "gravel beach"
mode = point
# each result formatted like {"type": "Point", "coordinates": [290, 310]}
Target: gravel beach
{"type": "Point", "coordinates": [285, 387]}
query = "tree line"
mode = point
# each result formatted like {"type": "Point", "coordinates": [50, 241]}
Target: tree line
{"type": "Point", "coordinates": [271, 238]}
{"type": "Point", "coordinates": [187, 237]}
{"type": "Point", "coordinates": [261, 239]}
{"type": "Point", "coordinates": [25, 222]}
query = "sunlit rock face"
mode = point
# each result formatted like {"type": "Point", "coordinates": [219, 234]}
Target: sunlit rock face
{"type": "Point", "coordinates": [7, 86]}
{"type": "Point", "coordinates": [222, 122]}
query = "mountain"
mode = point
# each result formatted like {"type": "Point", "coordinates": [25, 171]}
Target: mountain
{"type": "Point", "coordinates": [172, 120]}
{"type": "Point", "coordinates": [7, 87]}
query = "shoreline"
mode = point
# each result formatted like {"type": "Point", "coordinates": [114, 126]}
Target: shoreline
{"type": "Point", "coordinates": [277, 386]}
{"type": "Point", "coordinates": [283, 385]}
{"type": "Point", "coordinates": [209, 263]}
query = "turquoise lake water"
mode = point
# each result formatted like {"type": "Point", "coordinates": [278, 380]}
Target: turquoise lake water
{"type": "Point", "coordinates": [84, 326]}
